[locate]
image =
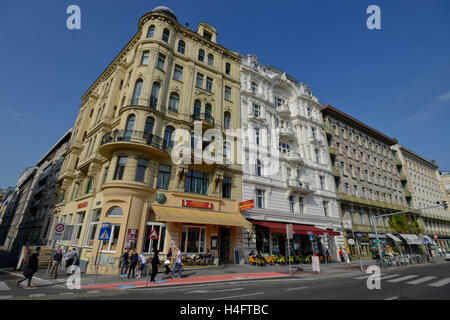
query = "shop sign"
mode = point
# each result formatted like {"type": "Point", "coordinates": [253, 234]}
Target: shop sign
{"type": "Point", "coordinates": [82, 205]}
{"type": "Point", "coordinates": [197, 204]}
{"type": "Point", "coordinates": [161, 198]}
{"type": "Point", "coordinates": [359, 235]}
{"type": "Point", "coordinates": [131, 239]}
{"type": "Point", "coordinates": [246, 205]}
{"type": "Point", "coordinates": [347, 224]}
{"type": "Point", "coordinates": [351, 241]}
{"type": "Point", "coordinates": [380, 235]}
{"type": "Point", "coordinates": [435, 236]}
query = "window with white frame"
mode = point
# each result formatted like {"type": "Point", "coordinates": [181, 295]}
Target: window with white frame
{"type": "Point", "coordinates": [260, 198]}
{"type": "Point", "coordinates": [291, 203]}
{"type": "Point", "coordinates": [161, 230]}
{"type": "Point", "coordinates": [93, 226]}
{"type": "Point", "coordinates": [325, 208]}
{"type": "Point", "coordinates": [300, 204]}
{"type": "Point", "coordinates": [254, 87]}
{"type": "Point", "coordinates": [78, 227]}
{"type": "Point", "coordinates": [111, 244]}
{"type": "Point", "coordinates": [193, 239]}
{"type": "Point", "coordinates": [256, 110]}
{"type": "Point", "coordinates": [322, 182]}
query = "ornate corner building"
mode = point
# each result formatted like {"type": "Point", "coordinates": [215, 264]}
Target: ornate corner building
{"type": "Point", "coordinates": [286, 167]}
{"type": "Point", "coordinates": [120, 166]}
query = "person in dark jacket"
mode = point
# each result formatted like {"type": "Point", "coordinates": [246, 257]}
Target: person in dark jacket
{"type": "Point", "coordinates": [56, 262]}
{"type": "Point", "coordinates": [155, 263]}
{"type": "Point", "coordinates": [133, 263]}
{"type": "Point", "coordinates": [125, 262]}
{"type": "Point", "coordinates": [168, 259]}
{"type": "Point", "coordinates": [31, 268]}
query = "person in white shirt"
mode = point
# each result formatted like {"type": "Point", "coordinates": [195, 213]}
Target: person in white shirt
{"type": "Point", "coordinates": [177, 264]}
{"type": "Point", "coordinates": [143, 261]}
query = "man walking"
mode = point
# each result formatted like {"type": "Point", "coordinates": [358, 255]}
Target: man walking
{"type": "Point", "coordinates": [56, 262]}
{"type": "Point", "coordinates": [177, 264]}
{"type": "Point", "coordinates": [155, 263]}
{"type": "Point", "coordinates": [71, 259]}
{"type": "Point", "coordinates": [31, 268]}
{"type": "Point", "coordinates": [125, 262]}
{"type": "Point", "coordinates": [142, 261]}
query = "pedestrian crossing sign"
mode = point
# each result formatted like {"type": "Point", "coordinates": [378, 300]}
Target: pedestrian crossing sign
{"type": "Point", "coordinates": [105, 234]}
{"type": "Point", "coordinates": [153, 235]}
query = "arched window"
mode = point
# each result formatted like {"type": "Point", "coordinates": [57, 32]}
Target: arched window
{"type": "Point", "coordinates": [151, 32]}
{"type": "Point", "coordinates": [129, 127]}
{"type": "Point", "coordinates": [165, 35]}
{"type": "Point", "coordinates": [137, 92]}
{"type": "Point", "coordinates": [174, 102]}
{"type": "Point", "coordinates": [149, 124]}
{"type": "Point", "coordinates": [181, 47]}
{"type": "Point", "coordinates": [168, 136]}
{"type": "Point", "coordinates": [154, 95]}
{"type": "Point", "coordinates": [201, 55]}
{"type": "Point", "coordinates": [208, 111]}
{"type": "Point", "coordinates": [258, 168]}
{"type": "Point", "coordinates": [227, 68]}
{"type": "Point", "coordinates": [115, 212]}
{"type": "Point", "coordinates": [227, 120]}
{"type": "Point", "coordinates": [210, 60]}
{"type": "Point", "coordinates": [197, 109]}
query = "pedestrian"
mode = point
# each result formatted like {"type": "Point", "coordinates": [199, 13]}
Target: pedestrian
{"type": "Point", "coordinates": [341, 254]}
{"type": "Point", "coordinates": [133, 262]}
{"type": "Point", "coordinates": [167, 262]}
{"type": "Point", "coordinates": [155, 263]}
{"type": "Point", "coordinates": [31, 268]}
{"type": "Point", "coordinates": [327, 255]}
{"type": "Point", "coordinates": [125, 262]}
{"type": "Point", "coordinates": [71, 257]}
{"type": "Point", "coordinates": [142, 261]}
{"type": "Point", "coordinates": [346, 257]}
{"type": "Point", "coordinates": [440, 251]}
{"type": "Point", "coordinates": [56, 262]}
{"type": "Point", "coordinates": [177, 264]}
{"type": "Point", "coordinates": [207, 256]}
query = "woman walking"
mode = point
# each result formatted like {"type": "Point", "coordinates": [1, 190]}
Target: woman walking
{"type": "Point", "coordinates": [31, 268]}
{"type": "Point", "coordinates": [167, 262]}
{"type": "Point", "coordinates": [133, 262]}
{"type": "Point", "coordinates": [155, 263]}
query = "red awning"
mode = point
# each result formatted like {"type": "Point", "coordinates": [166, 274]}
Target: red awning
{"type": "Point", "coordinates": [279, 227]}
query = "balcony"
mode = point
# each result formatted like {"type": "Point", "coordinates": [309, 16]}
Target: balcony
{"type": "Point", "coordinates": [283, 111]}
{"type": "Point", "coordinates": [407, 192]}
{"type": "Point", "coordinates": [329, 130]}
{"type": "Point", "coordinates": [287, 133]}
{"type": "Point", "coordinates": [137, 140]}
{"type": "Point", "coordinates": [336, 171]}
{"type": "Point", "coordinates": [300, 187]}
{"type": "Point", "coordinates": [369, 202]}
{"type": "Point", "coordinates": [293, 157]}
{"type": "Point", "coordinates": [403, 177]}
{"type": "Point", "coordinates": [398, 162]}
{"type": "Point", "coordinates": [205, 118]}
{"type": "Point", "coordinates": [333, 151]}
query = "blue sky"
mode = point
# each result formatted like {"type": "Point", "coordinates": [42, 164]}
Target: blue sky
{"type": "Point", "coordinates": [396, 79]}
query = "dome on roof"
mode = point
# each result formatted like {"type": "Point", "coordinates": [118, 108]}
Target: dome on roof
{"type": "Point", "coordinates": [165, 10]}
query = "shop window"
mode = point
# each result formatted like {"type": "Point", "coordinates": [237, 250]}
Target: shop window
{"type": "Point", "coordinates": [111, 244]}
{"type": "Point", "coordinates": [161, 229]}
{"type": "Point", "coordinates": [193, 240]}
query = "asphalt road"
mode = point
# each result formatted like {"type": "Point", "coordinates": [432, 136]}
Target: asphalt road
{"type": "Point", "coordinates": [424, 282]}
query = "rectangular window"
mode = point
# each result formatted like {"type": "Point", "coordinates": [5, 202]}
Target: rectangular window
{"type": "Point", "coordinates": [300, 204]}
{"type": "Point", "coordinates": [178, 73]}
{"type": "Point", "coordinates": [93, 226]}
{"type": "Point", "coordinates": [197, 182]}
{"type": "Point", "coordinates": [256, 110]}
{"type": "Point", "coordinates": [105, 175]}
{"type": "Point", "coordinates": [78, 228]}
{"type": "Point", "coordinates": [161, 61]}
{"type": "Point", "coordinates": [254, 87]}
{"type": "Point", "coordinates": [226, 187]}
{"type": "Point", "coordinates": [193, 240]}
{"type": "Point", "coordinates": [260, 198]}
{"type": "Point", "coordinates": [355, 189]}
{"type": "Point", "coordinates": [257, 136]}
{"type": "Point", "coordinates": [144, 59]}
{"type": "Point", "coordinates": [317, 153]}
{"type": "Point", "coordinates": [163, 177]}
{"type": "Point", "coordinates": [161, 229]}
{"type": "Point", "coordinates": [120, 168]}
{"type": "Point", "coordinates": [141, 170]}
{"type": "Point", "coordinates": [361, 216]}
{"type": "Point", "coordinates": [291, 203]}
{"type": "Point", "coordinates": [111, 244]}
{"type": "Point", "coordinates": [199, 81]}
{"type": "Point", "coordinates": [322, 182]}
{"type": "Point", "coordinates": [325, 208]}
{"type": "Point", "coordinates": [227, 93]}
{"type": "Point", "coordinates": [347, 191]}
{"type": "Point", "coordinates": [209, 84]}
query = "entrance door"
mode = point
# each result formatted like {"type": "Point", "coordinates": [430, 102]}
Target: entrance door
{"type": "Point", "coordinates": [282, 245]}
{"type": "Point", "coordinates": [224, 245]}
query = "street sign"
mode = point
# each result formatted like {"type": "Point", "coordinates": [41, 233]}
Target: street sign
{"type": "Point", "coordinates": [59, 231]}
{"type": "Point", "coordinates": [289, 232]}
{"type": "Point", "coordinates": [359, 235]}
{"type": "Point", "coordinates": [435, 237]}
{"type": "Point", "coordinates": [153, 235]}
{"type": "Point", "coordinates": [105, 232]}
{"type": "Point", "coordinates": [311, 237]}
{"type": "Point", "coordinates": [347, 224]}
{"type": "Point", "coordinates": [246, 205]}
{"type": "Point", "coordinates": [351, 241]}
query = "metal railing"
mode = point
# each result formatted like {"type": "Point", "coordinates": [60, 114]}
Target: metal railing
{"type": "Point", "coordinates": [139, 137]}
{"type": "Point", "coordinates": [204, 117]}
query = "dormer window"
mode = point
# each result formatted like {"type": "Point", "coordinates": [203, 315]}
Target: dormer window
{"type": "Point", "coordinates": [207, 35]}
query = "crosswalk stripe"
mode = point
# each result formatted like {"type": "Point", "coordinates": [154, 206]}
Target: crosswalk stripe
{"type": "Point", "coordinates": [390, 276]}
{"type": "Point", "coordinates": [4, 286]}
{"type": "Point", "coordinates": [94, 291]}
{"type": "Point", "coordinates": [421, 280]}
{"type": "Point", "coordinates": [5, 297]}
{"type": "Point", "coordinates": [440, 283]}
{"type": "Point", "coordinates": [402, 278]}
{"type": "Point", "coordinates": [366, 276]}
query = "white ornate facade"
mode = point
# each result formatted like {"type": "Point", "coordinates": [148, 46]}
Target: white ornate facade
{"type": "Point", "coordinates": [299, 188]}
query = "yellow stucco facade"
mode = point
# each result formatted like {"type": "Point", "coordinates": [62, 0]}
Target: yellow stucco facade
{"type": "Point", "coordinates": [167, 77]}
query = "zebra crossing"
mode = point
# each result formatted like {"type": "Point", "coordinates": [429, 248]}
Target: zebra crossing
{"type": "Point", "coordinates": [414, 279]}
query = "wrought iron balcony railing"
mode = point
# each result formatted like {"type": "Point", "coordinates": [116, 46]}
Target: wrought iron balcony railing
{"type": "Point", "coordinates": [139, 137]}
{"type": "Point", "coordinates": [204, 117]}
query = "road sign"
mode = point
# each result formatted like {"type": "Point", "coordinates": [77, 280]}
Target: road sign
{"type": "Point", "coordinates": [153, 235]}
{"type": "Point", "coordinates": [289, 232]}
{"type": "Point", "coordinates": [311, 237]}
{"type": "Point", "coordinates": [359, 235]}
{"type": "Point", "coordinates": [59, 231]}
{"type": "Point", "coordinates": [347, 224]}
{"type": "Point", "coordinates": [435, 236]}
{"type": "Point", "coordinates": [105, 233]}
{"type": "Point", "coordinates": [351, 241]}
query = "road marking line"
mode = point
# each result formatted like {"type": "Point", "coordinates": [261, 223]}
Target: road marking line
{"type": "Point", "coordinates": [365, 277]}
{"type": "Point", "coordinates": [213, 291]}
{"type": "Point", "coordinates": [37, 295]}
{"type": "Point", "coordinates": [403, 278]}
{"type": "Point", "coordinates": [244, 295]}
{"type": "Point", "coordinates": [421, 280]}
{"type": "Point", "coordinates": [392, 298]}
{"type": "Point", "coordinates": [4, 286]}
{"type": "Point", "coordinates": [390, 276]}
{"type": "Point", "coordinates": [65, 293]}
{"type": "Point", "coordinates": [440, 283]}
{"type": "Point", "coordinates": [94, 291]}
{"type": "Point", "coordinates": [298, 288]}
{"type": "Point", "coordinates": [5, 297]}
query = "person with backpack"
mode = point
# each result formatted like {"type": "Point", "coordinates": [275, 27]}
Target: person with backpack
{"type": "Point", "coordinates": [31, 268]}
{"type": "Point", "coordinates": [71, 257]}
{"type": "Point", "coordinates": [133, 262]}
{"type": "Point", "coordinates": [125, 262]}
{"type": "Point", "coordinates": [155, 263]}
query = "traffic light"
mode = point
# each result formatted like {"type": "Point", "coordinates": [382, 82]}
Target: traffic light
{"type": "Point", "coordinates": [445, 205]}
